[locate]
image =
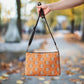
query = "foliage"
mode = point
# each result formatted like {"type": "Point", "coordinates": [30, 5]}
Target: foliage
{"type": "Point", "coordinates": [30, 22]}
{"type": "Point", "coordinates": [73, 13]}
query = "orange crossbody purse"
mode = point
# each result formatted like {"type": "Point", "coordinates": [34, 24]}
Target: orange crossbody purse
{"type": "Point", "coordinates": [42, 63]}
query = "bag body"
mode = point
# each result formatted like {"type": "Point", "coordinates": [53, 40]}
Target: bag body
{"type": "Point", "coordinates": [42, 64]}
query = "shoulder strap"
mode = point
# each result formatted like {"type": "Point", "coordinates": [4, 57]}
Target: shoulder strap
{"type": "Point", "coordinates": [33, 32]}
{"type": "Point", "coordinates": [32, 36]}
{"type": "Point", "coordinates": [51, 34]}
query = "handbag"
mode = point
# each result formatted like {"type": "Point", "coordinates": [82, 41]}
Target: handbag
{"type": "Point", "coordinates": [42, 63]}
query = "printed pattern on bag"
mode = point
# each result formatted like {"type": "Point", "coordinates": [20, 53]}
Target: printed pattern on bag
{"type": "Point", "coordinates": [42, 64]}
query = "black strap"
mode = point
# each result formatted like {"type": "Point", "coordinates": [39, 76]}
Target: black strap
{"type": "Point", "coordinates": [32, 36]}
{"type": "Point", "coordinates": [51, 34]}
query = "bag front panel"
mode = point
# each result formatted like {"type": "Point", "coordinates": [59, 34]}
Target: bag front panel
{"type": "Point", "coordinates": [42, 64]}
